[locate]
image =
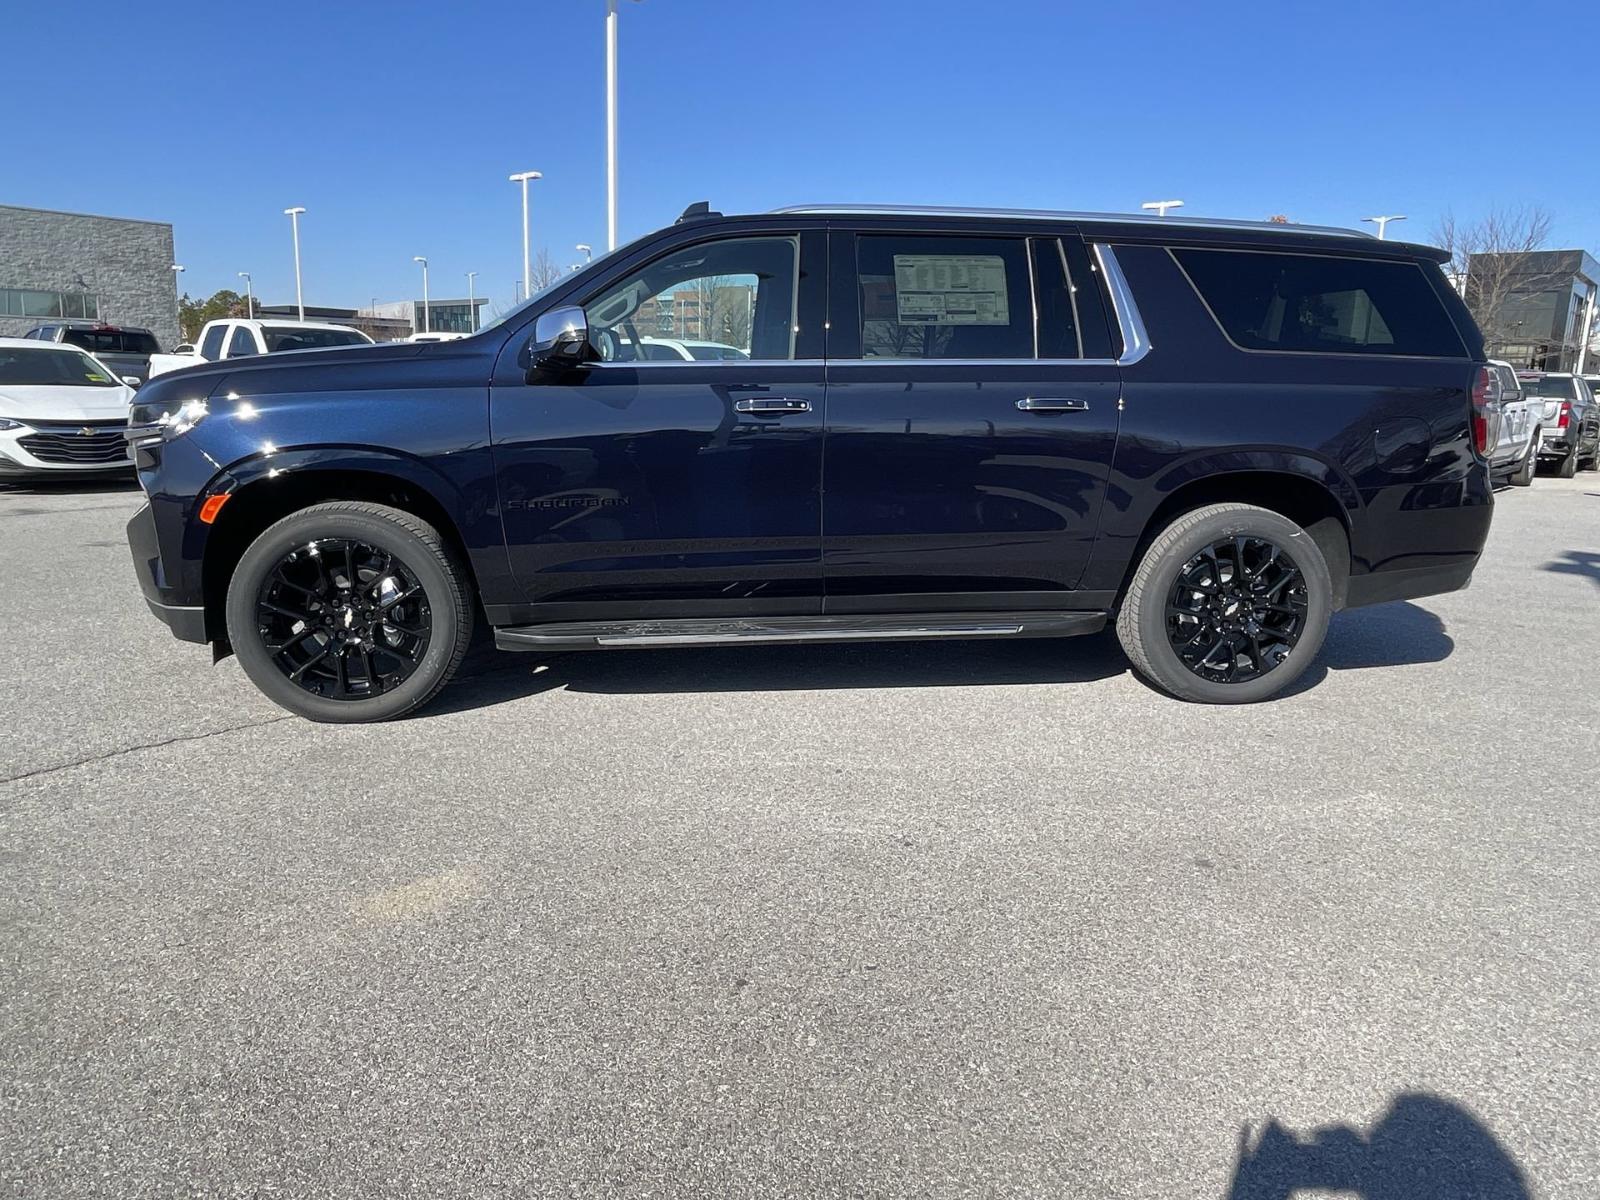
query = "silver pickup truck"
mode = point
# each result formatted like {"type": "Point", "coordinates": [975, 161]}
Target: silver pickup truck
{"type": "Point", "coordinates": [1514, 448]}
{"type": "Point", "coordinates": [1569, 422]}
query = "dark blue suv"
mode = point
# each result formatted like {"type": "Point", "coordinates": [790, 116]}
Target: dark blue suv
{"type": "Point", "coordinates": [826, 424]}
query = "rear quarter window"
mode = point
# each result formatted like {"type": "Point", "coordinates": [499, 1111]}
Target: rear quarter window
{"type": "Point", "coordinates": [1321, 304]}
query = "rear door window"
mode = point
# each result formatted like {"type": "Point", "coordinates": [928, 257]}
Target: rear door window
{"type": "Point", "coordinates": [1321, 304]}
{"type": "Point", "coordinates": [242, 344]}
{"type": "Point", "coordinates": [211, 346]}
{"type": "Point", "coordinates": [938, 296]}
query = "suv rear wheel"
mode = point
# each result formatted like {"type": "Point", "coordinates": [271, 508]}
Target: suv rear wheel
{"type": "Point", "coordinates": [1228, 605]}
{"type": "Point", "coordinates": [348, 612]}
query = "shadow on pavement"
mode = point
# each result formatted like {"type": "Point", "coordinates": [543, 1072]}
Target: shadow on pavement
{"type": "Point", "coordinates": [100, 485]}
{"type": "Point", "coordinates": [1577, 562]}
{"type": "Point", "coordinates": [1385, 636]}
{"type": "Point", "coordinates": [1425, 1148]}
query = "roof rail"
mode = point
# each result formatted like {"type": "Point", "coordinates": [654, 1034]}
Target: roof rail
{"type": "Point", "coordinates": [1046, 214]}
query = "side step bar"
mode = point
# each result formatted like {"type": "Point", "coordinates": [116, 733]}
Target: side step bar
{"type": "Point", "coordinates": [750, 631]}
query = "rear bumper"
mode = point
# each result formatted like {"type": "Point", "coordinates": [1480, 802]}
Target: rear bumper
{"type": "Point", "coordinates": [1380, 587]}
{"type": "Point", "coordinates": [187, 621]}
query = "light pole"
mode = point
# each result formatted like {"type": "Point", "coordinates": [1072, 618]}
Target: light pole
{"type": "Point", "coordinates": [294, 224]}
{"type": "Point", "coordinates": [523, 177]}
{"type": "Point", "coordinates": [1159, 207]}
{"type": "Point", "coordinates": [611, 122]}
{"type": "Point", "coordinates": [472, 308]}
{"type": "Point", "coordinates": [1382, 223]}
{"type": "Point", "coordinates": [426, 328]}
{"type": "Point", "coordinates": [249, 295]}
{"type": "Point", "coordinates": [588, 255]}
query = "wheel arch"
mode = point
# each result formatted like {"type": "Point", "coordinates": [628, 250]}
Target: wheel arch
{"type": "Point", "coordinates": [262, 491]}
{"type": "Point", "coordinates": [1311, 500]}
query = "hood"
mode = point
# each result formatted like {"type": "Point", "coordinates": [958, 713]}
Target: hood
{"type": "Point", "coordinates": [53, 402]}
{"type": "Point", "coordinates": [325, 356]}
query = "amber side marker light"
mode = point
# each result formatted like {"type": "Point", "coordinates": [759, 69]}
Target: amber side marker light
{"type": "Point", "coordinates": [212, 506]}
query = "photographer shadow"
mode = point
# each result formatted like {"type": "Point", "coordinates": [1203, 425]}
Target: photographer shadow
{"type": "Point", "coordinates": [1424, 1148]}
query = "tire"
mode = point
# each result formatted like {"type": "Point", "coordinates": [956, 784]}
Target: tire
{"type": "Point", "coordinates": [283, 591]}
{"type": "Point", "coordinates": [1568, 467]}
{"type": "Point", "coordinates": [1523, 475]}
{"type": "Point", "coordinates": [1143, 621]}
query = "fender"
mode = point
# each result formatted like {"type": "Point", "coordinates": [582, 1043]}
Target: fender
{"type": "Point", "coordinates": [1132, 501]}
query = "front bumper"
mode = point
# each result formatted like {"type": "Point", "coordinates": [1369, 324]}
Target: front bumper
{"type": "Point", "coordinates": [187, 621]}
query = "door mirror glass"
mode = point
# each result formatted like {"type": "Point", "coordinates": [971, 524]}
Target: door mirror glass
{"type": "Point", "coordinates": [560, 338]}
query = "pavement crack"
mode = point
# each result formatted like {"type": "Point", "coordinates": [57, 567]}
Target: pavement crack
{"type": "Point", "coordinates": [121, 750]}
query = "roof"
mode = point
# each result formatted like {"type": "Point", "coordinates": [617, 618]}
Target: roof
{"type": "Point", "coordinates": [11, 343]}
{"type": "Point", "coordinates": [1047, 214]}
{"type": "Point", "coordinates": [1139, 226]}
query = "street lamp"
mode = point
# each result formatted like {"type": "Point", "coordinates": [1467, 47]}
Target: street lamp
{"type": "Point", "coordinates": [1382, 223]}
{"type": "Point", "coordinates": [294, 223]}
{"type": "Point", "coordinates": [611, 121]}
{"type": "Point", "coordinates": [1159, 207]}
{"type": "Point", "coordinates": [588, 256]}
{"type": "Point", "coordinates": [523, 177]}
{"type": "Point", "coordinates": [419, 259]}
{"type": "Point", "coordinates": [472, 307]}
{"type": "Point", "coordinates": [177, 270]}
{"type": "Point", "coordinates": [249, 297]}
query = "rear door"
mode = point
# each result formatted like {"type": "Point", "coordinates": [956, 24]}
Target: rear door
{"type": "Point", "coordinates": [973, 404]}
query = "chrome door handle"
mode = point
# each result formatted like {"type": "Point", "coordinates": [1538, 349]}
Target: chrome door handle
{"type": "Point", "coordinates": [1052, 404]}
{"type": "Point", "coordinates": [773, 407]}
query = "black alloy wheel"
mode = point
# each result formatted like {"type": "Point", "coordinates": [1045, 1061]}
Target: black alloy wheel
{"type": "Point", "coordinates": [344, 619]}
{"type": "Point", "coordinates": [1236, 609]}
{"type": "Point", "coordinates": [349, 611]}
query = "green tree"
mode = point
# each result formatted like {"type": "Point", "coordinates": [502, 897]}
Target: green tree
{"type": "Point", "coordinates": [193, 314]}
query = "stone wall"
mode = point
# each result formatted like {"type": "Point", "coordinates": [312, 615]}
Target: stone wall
{"type": "Point", "coordinates": [127, 264]}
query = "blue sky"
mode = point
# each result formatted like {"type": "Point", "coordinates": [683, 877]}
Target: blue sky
{"type": "Point", "coordinates": [396, 123]}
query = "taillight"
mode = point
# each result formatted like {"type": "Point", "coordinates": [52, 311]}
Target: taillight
{"type": "Point", "coordinates": [1565, 417]}
{"type": "Point", "coordinates": [1480, 411]}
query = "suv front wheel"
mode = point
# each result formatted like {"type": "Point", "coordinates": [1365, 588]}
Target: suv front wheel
{"type": "Point", "coordinates": [349, 611]}
{"type": "Point", "coordinates": [1228, 605]}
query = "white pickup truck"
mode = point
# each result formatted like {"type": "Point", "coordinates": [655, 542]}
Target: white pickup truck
{"type": "Point", "coordinates": [240, 338]}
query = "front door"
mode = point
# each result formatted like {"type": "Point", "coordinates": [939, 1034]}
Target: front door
{"type": "Point", "coordinates": [680, 473]}
{"type": "Point", "coordinates": [972, 413]}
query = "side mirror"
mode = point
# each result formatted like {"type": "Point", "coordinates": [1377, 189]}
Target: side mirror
{"type": "Point", "coordinates": [183, 348]}
{"type": "Point", "coordinates": [560, 339]}
{"type": "Point", "coordinates": [132, 381]}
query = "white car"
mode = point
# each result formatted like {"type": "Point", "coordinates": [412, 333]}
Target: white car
{"type": "Point", "coordinates": [239, 338]}
{"type": "Point", "coordinates": [434, 337]}
{"type": "Point", "coordinates": [62, 412]}
{"type": "Point", "coordinates": [684, 350]}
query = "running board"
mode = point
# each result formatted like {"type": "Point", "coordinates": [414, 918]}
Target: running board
{"type": "Point", "coordinates": [750, 631]}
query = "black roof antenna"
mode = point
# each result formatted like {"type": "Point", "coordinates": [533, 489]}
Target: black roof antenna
{"type": "Point", "coordinates": [697, 211]}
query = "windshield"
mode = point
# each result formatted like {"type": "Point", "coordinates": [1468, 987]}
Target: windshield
{"type": "Point", "coordinates": [288, 337]}
{"type": "Point", "coordinates": [1549, 385]}
{"type": "Point", "coordinates": [64, 368]}
{"type": "Point", "coordinates": [533, 301]}
{"type": "Point", "coordinates": [112, 341]}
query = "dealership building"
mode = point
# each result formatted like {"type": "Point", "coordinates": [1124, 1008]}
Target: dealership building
{"type": "Point", "coordinates": [57, 265]}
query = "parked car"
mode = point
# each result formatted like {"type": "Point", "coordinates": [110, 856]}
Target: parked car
{"type": "Point", "coordinates": [684, 350]}
{"type": "Point", "coordinates": [1515, 456]}
{"type": "Point", "coordinates": [126, 349]}
{"type": "Point", "coordinates": [1569, 422]}
{"type": "Point", "coordinates": [62, 412]}
{"type": "Point", "coordinates": [433, 337]}
{"type": "Point", "coordinates": [950, 424]}
{"type": "Point", "coordinates": [232, 338]}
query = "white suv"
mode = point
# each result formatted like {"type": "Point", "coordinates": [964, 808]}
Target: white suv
{"type": "Point", "coordinates": [241, 339]}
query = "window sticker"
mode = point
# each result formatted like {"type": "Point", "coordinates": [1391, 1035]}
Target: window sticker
{"type": "Point", "coordinates": [950, 289]}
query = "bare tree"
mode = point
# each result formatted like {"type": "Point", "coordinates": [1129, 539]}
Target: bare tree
{"type": "Point", "coordinates": [545, 271]}
{"type": "Point", "coordinates": [1498, 263]}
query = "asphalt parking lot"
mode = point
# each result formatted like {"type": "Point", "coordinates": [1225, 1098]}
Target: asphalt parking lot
{"type": "Point", "coordinates": [889, 921]}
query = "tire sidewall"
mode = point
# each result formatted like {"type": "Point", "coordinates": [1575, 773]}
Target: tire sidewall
{"type": "Point", "coordinates": [1171, 672]}
{"type": "Point", "coordinates": [295, 531]}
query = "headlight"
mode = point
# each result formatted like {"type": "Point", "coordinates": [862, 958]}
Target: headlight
{"type": "Point", "coordinates": [7, 424]}
{"type": "Point", "coordinates": [162, 418]}
{"type": "Point", "coordinates": [184, 419]}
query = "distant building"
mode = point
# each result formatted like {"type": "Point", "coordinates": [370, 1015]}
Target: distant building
{"type": "Point", "coordinates": [57, 265]}
{"type": "Point", "coordinates": [717, 312]}
{"type": "Point", "coordinates": [444, 316]}
{"type": "Point", "coordinates": [1536, 309]}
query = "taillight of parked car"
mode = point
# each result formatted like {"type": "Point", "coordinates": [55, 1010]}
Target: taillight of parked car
{"type": "Point", "coordinates": [1480, 410]}
{"type": "Point", "coordinates": [1565, 417]}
